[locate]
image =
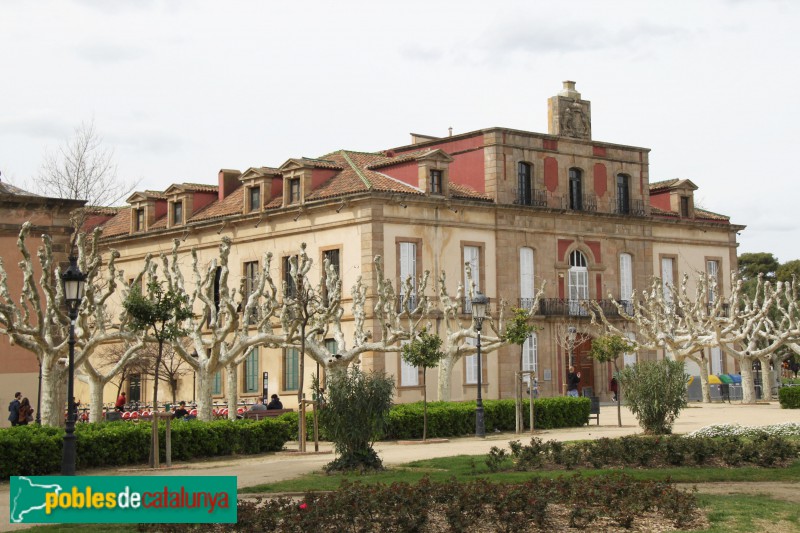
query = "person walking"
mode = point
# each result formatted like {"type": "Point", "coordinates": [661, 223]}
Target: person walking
{"type": "Point", "coordinates": [25, 412]}
{"type": "Point", "coordinates": [13, 409]}
{"type": "Point", "coordinates": [573, 379]}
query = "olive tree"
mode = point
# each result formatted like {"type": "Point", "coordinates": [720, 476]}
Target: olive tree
{"type": "Point", "coordinates": [656, 393]}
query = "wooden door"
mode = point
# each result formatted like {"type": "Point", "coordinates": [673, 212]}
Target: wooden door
{"type": "Point", "coordinates": [585, 365]}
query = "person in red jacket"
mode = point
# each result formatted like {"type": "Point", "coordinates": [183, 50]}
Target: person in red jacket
{"type": "Point", "coordinates": [121, 401]}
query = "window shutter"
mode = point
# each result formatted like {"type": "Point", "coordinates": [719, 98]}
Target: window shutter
{"type": "Point", "coordinates": [526, 273]}
{"type": "Point", "coordinates": [625, 277]}
{"type": "Point", "coordinates": [667, 277]}
{"type": "Point", "coordinates": [472, 256]}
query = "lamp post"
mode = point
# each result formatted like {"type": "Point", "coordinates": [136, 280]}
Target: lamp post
{"type": "Point", "coordinates": [478, 314]}
{"type": "Point", "coordinates": [74, 281]}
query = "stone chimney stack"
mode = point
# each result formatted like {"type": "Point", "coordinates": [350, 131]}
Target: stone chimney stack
{"type": "Point", "coordinates": [568, 115]}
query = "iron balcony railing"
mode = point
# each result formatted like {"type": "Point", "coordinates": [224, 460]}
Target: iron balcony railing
{"type": "Point", "coordinates": [567, 307]}
{"type": "Point", "coordinates": [534, 198]}
{"type": "Point", "coordinates": [586, 202]}
{"type": "Point", "coordinates": [628, 207]}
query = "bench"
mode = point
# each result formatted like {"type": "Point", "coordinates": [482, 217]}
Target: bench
{"type": "Point", "coordinates": [594, 410]}
{"type": "Point", "coordinates": [269, 413]}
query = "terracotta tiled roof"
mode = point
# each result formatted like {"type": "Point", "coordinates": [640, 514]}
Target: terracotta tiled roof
{"type": "Point", "coordinates": [200, 187]}
{"type": "Point", "coordinates": [458, 190]}
{"type": "Point", "coordinates": [98, 210]}
{"type": "Point", "coordinates": [661, 213]}
{"type": "Point", "coordinates": [321, 163]}
{"type": "Point", "coordinates": [153, 194]}
{"type": "Point", "coordinates": [7, 188]}
{"type": "Point", "coordinates": [119, 225]}
{"type": "Point", "coordinates": [161, 223]}
{"type": "Point", "coordinates": [232, 204]}
{"type": "Point", "coordinates": [357, 176]}
{"type": "Point", "coordinates": [702, 213]}
{"type": "Point", "coordinates": [661, 185]}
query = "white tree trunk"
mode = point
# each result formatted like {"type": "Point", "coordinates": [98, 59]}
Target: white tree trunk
{"type": "Point", "coordinates": [445, 369]}
{"type": "Point", "coordinates": [748, 383]}
{"type": "Point", "coordinates": [53, 386]}
{"type": "Point", "coordinates": [232, 393]}
{"type": "Point", "coordinates": [96, 386]}
{"type": "Point", "coordinates": [205, 381]}
{"type": "Point", "coordinates": [702, 363]}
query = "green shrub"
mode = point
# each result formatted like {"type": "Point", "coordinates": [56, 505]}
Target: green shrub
{"type": "Point", "coordinates": [789, 397]}
{"type": "Point", "coordinates": [37, 450]}
{"type": "Point", "coordinates": [356, 413]}
{"type": "Point", "coordinates": [656, 393]}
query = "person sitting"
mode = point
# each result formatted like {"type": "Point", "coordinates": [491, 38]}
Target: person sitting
{"type": "Point", "coordinates": [275, 403]}
{"type": "Point", "coordinates": [181, 411]}
{"type": "Point", "coordinates": [258, 406]}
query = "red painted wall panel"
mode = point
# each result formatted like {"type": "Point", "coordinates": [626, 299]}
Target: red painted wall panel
{"type": "Point", "coordinates": [160, 208]}
{"type": "Point", "coordinates": [202, 199]}
{"type": "Point", "coordinates": [594, 246]}
{"type": "Point", "coordinates": [561, 288]}
{"type": "Point", "coordinates": [450, 146]}
{"type": "Point", "coordinates": [600, 179]}
{"type": "Point", "coordinates": [277, 188]}
{"type": "Point", "coordinates": [550, 144]}
{"type": "Point", "coordinates": [563, 244]}
{"type": "Point", "coordinates": [407, 172]}
{"type": "Point", "coordinates": [469, 169]}
{"type": "Point", "coordinates": [599, 285]}
{"type": "Point", "coordinates": [599, 151]}
{"type": "Point", "coordinates": [320, 176]}
{"type": "Point", "coordinates": [660, 200]}
{"type": "Point", "coordinates": [551, 173]}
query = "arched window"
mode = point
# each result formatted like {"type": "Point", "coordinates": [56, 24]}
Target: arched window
{"type": "Point", "coordinates": [578, 283]}
{"type": "Point", "coordinates": [524, 185]}
{"type": "Point", "coordinates": [575, 189]}
{"type": "Point", "coordinates": [623, 195]}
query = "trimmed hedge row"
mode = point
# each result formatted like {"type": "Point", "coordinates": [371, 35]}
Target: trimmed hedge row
{"type": "Point", "coordinates": [35, 450]}
{"type": "Point", "coordinates": [452, 419]}
{"type": "Point", "coordinates": [789, 397]}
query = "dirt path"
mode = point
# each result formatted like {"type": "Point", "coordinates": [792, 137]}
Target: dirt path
{"type": "Point", "coordinates": [789, 492]}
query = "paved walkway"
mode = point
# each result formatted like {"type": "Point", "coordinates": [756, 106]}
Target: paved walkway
{"type": "Point", "coordinates": [280, 466]}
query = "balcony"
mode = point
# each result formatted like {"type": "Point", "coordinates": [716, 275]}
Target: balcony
{"type": "Point", "coordinates": [586, 203]}
{"type": "Point", "coordinates": [628, 207]}
{"type": "Point", "coordinates": [534, 198]}
{"type": "Point", "coordinates": [566, 307]}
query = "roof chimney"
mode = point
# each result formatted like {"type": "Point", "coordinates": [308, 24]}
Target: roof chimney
{"type": "Point", "coordinates": [228, 182]}
{"type": "Point", "coordinates": [569, 90]}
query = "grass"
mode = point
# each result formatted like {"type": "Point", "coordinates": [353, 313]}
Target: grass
{"type": "Point", "coordinates": [90, 528]}
{"type": "Point", "coordinates": [465, 467]}
{"type": "Point", "coordinates": [746, 513]}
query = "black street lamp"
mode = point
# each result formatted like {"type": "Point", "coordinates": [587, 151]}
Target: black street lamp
{"type": "Point", "coordinates": [479, 303]}
{"type": "Point", "coordinates": [74, 282]}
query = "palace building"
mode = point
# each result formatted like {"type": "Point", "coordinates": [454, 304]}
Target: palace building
{"type": "Point", "coordinates": [520, 207]}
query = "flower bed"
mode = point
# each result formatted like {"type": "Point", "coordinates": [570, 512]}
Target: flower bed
{"type": "Point", "coordinates": [787, 429]}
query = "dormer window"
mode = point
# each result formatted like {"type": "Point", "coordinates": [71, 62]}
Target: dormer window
{"type": "Point", "coordinates": [177, 213]}
{"type": "Point", "coordinates": [139, 219]}
{"type": "Point", "coordinates": [436, 178]}
{"type": "Point", "coordinates": [685, 206]}
{"type": "Point", "coordinates": [294, 190]}
{"type": "Point", "coordinates": [254, 198]}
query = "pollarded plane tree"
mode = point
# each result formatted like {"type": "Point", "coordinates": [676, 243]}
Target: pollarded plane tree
{"type": "Point", "coordinates": [232, 320]}
{"type": "Point", "coordinates": [38, 321]}
{"type": "Point", "coordinates": [399, 315]}
{"type": "Point", "coordinates": [456, 343]}
{"type": "Point", "coordinates": [757, 328]}
{"type": "Point", "coordinates": [673, 320]}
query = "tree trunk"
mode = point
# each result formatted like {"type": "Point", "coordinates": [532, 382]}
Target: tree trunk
{"type": "Point", "coordinates": [748, 383]}
{"type": "Point", "coordinates": [154, 446]}
{"type": "Point", "coordinates": [768, 378]}
{"type": "Point", "coordinates": [205, 382]}
{"type": "Point", "coordinates": [50, 403]}
{"type": "Point", "coordinates": [424, 406]}
{"type": "Point", "coordinates": [704, 387]}
{"type": "Point", "coordinates": [232, 394]}
{"type": "Point", "coordinates": [96, 386]}
{"type": "Point", "coordinates": [619, 395]}
{"type": "Point", "coordinates": [445, 369]}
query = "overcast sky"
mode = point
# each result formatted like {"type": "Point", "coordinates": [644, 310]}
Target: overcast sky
{"type": "Point", "coordinates": [181, 89]}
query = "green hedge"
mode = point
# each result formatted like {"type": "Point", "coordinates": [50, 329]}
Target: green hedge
{"type": "Point", "coordinates": [789, 397]}
{"type": "Point", "coordinates": [452, 419]}
{"type": "Point", "coordinates": [34, 450]}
